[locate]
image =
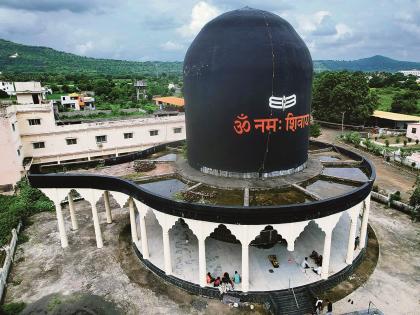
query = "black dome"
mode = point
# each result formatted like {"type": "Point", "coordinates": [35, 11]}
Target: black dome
{"type": "Point", "coordinates": [234, 67]}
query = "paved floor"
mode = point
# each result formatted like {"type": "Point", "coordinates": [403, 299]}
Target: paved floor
{"type": "Point", "coordinates": [226, 257]}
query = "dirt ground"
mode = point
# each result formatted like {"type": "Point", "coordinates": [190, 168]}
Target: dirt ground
{"type": "Point", "coordinates": [42, 268]}
{"type": "Point", "coordinates": [394, 286]}
{"type": "Point", "coordinates": [389, 178]}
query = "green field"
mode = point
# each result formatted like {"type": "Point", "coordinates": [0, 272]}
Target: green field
{"type": "Point", "coordinates": [386, 95]}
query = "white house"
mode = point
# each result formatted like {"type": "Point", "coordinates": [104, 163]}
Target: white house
{"type": "Point", "coordinates": [78, 102]}
{"type": "Point", "coordinates": [414, 72]}
{"type": "Point", "coordinates": [7, 87]}
{"type": "Point", "coordinates": [413, 131]}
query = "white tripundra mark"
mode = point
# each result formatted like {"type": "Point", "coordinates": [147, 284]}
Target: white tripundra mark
{"type": "Point", "coordinates": [282, 102]}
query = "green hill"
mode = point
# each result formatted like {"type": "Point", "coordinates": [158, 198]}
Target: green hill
{"type": "Point", "coordinates": [34, 59]}
{"type": "Point", "coordinates": [371, 64]}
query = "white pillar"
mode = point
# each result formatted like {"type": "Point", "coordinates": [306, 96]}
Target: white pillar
{"type": "Point", "coordinates": [326, 255]}
{"type": "Point", "coordinates": [167, 251]}
{"type": "Point", "coordinates": [363, 230]}
{"type": "Point", "coordinates": [143, 233]}
{"type": "Point", "coordinates": [74, 224]}
{"type": "Point", "coordinates": [107, 207]}
{"type": "Point", "coordinates": [352, 236]}
{"type": "Point", "coordinates": [61, 226]}
{"type": "Point", "coordinates": [133, 221]}
{"type": "Point", "coordinates": [245, 267]}
{"type": "Point", "coordinates": [202, 261]}
{"type": "Point", "coordinates": [98, 234]}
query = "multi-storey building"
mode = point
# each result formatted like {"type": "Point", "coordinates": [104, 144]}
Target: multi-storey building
{"type": "Point", "coordinates": [30, 133]}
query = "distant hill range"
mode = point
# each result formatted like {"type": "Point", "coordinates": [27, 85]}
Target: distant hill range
{"type": "Point", "coordinates": [371, 64]}
{"type": "Point", "coordinates": [33, 59]}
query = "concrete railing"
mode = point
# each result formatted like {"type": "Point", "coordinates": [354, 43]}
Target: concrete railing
{"type": "Point", "coordinates": [398, 205]}
{"type": "Point", "coordinates": [10, 251]}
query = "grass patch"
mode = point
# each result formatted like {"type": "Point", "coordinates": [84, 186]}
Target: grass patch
{"type": "Point", "coordinates": [12, 308]}
{"type": "Point", "coordinates": [53, 303]}
{"type": "Point", "coordinates": [386, 95]}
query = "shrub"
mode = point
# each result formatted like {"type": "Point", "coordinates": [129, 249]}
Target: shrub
{"type": "Point", "coordinates": [375, 188]}
{"type": "Point", "coordinates": [387, 142]}
{"type": "Point", "coordinates": [417, 141]}
{"type": "Point", "coordinates": [409, 139]}
{"type": "Point", "coordinates": [25, 202]}
{"type": "Point", "coordinates": [395, 196]}
{"type": "Point", "coordinates": [405, 143]}
{"type": "Point", "coordinates": [314, 130]}
{"type": "Point", "coordinates": [12, 308]}
{"type": "Point", "coordinates": [376, 138]}
{"type": "Point", "coordinates": [413, 164]}
{"type": "Point", "coordinates": [388, 158]}
{"type": "Point", "coordinates": [397, 140]}
{"type": "Point", "coordinates": [143, 166]}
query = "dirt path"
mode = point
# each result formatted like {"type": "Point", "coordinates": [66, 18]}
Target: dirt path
{"type": "Point", "coordinates": [394, 286]}
{"type": "Point", "coordinates": [42, 268]}
{"type": "Point", "coordinates": [389, 178]}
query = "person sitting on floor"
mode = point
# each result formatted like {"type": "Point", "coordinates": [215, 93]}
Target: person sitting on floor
{"type": "Point", "coordinates": [226, 278]}
{"type": "Point", "coordinates": [314, 255]}
{"type": "Point", "coordinates": [318, 306]}
{"type": "Point", "coordinates": [217, 282]}
{"type": "Point", "coordinates": [236, 278]}
{"type": "Point", "coordinates": [305, 264]}
{"type": "Point", "coordinates": [209, 278]}
{"type": "Point", "coordinates": [317, 270]}
{"type": "Point", "coordinates": [319, 260]}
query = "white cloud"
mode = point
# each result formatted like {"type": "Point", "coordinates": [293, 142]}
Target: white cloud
{"type": "Point", "coordinates": [83, 49]}
{"type": "Point", "coordinates": [310, 23]}
{"type": "Point", "coordinates": [172, 46]}
{"type": "Point", "coordinates": [201, 13]}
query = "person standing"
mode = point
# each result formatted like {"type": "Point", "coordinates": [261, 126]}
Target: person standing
{"type": "Point", "coordinates": [329, 308]}
{"type": "Point", "coordinates": [318, 306]}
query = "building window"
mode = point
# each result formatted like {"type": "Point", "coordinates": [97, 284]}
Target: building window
{"type": "Point", "coordinates": [413, 130]}
{"type": "Point", "coordinates": [18, 152]}
{"type": "Point", "coordinates": [100, 139]}
{"type": "Point", "coordinates": [33, 122]}
{"type": "Point", "coordinates": [13, 127]}
{"type": "Point", "coordinates": [38, 145]}
{"type": "Point", "coordinates": [71, 141]}
{"type": "Point", "coordinates": [178, 130]}
{"type": "Point", "coordinates": [154, 132]}
{"type": "Point", "coordinates": [128, 135]}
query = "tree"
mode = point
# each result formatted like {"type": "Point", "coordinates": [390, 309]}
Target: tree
{"type": "Point", "coordinates": [314, 130]}
{"type": "Point", "coordinates": [405, 103]}
{"type": "Point", "coordinates": [338, 92]}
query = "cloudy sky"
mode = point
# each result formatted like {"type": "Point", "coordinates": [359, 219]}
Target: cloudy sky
{"type": "Point", "coordinates": [163, 29]}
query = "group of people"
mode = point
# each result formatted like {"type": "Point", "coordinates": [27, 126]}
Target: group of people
{"type": "Point", "coordinates": [226, 283]}
{"type": "Point", "coordinates": [319, 306]}
{"type": "Point", "coordinates": [317, 269]}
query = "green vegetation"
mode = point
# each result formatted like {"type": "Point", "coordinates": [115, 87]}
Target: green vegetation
{"type": "Point", "coordinates": [18, 207]}
{"type": "Point", "coordinates": [12, 308]}
{"type": "Point", "coordinates": [338, 92]}
{"type": "Point", "coordinates": [314, 130]}
{"type": "Point", "coordinates": [371, 64]}
{"type": "Point", "coordinates": [34, 59]}
{"type": "Point", "coordinates": [415, 200]}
